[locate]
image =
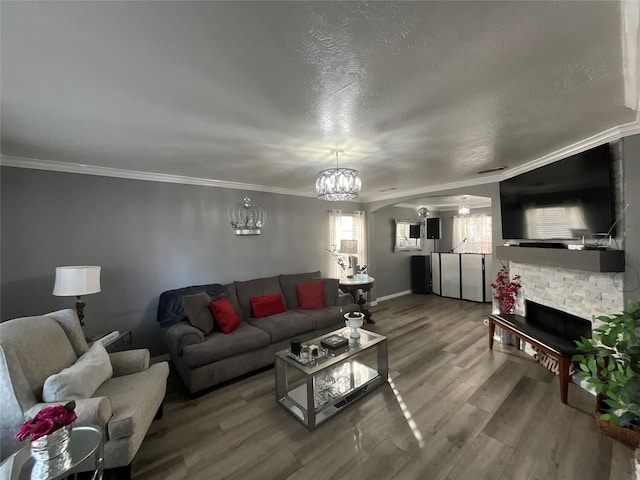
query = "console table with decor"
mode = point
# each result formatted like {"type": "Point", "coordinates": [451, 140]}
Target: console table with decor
{"type": "Point", "coordinates": [362, 284]}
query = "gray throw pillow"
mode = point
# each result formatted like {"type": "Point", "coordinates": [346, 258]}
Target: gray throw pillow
{"type": "Point", "coordinates": [331, 291]}
{"type": "Point", "coordinates": [197, 309]}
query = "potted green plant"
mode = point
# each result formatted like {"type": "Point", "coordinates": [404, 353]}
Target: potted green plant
{"type": "Point", "coordinates": [610, 361]}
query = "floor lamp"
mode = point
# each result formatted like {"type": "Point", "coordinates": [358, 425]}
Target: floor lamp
{"type": "Point", "coordinates": [76, 281]}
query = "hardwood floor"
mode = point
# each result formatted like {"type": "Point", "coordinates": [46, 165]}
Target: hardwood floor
{"type": "Point", "coordinates": [453, 410]}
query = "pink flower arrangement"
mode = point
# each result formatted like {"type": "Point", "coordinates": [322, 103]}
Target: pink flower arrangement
{"type": "Point", "coordinates": [335, 253]}
{"type": "Point", "coordinates": [505, 290]}
{"type": "Point", "coordinates": [47, 421]}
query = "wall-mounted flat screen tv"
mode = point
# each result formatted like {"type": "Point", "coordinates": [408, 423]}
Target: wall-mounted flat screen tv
{"type": "Point", "coordinates": [568, 199]}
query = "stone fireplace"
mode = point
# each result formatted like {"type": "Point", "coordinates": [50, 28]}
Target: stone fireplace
{"type": "Point", "coordinates": [584, 294]}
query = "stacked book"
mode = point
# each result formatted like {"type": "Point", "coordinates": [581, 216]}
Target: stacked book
{"type": "Point", "coordinates": [334, 342]}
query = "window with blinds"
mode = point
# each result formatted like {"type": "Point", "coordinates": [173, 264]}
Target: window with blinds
{"type": "Point", "coordinates": [348, 233]}
{"type": "Point", "coordinates": [476, 229]}
{"type": "Point", "coordinates": [345, 227]}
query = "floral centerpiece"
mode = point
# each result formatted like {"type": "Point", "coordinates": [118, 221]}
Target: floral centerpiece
{"type": "Point", "coordinates": [505, 290]}
{"type": "Point", "coordinates": [339, 257]}
{"type": "Point", "coordinates": [47, 421]}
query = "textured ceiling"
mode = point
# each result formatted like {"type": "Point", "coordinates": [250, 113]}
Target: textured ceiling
{"type": "Point", "coordinates": [417, 94]}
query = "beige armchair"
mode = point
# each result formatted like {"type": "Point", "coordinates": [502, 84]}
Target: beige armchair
{"type": "Point", "coordinates": [34, 348]}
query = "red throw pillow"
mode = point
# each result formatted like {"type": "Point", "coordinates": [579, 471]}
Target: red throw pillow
{"type": "Point", "coordinates": [310, 294]}
{"type": "Point", "coordinates": [224, 315]}
{"type": "Point", "coordinates": [267, 305]}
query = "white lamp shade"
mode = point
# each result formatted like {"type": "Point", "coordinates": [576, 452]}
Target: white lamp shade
{"type": "Point", "coordinates": [76, 280]}
{"type": "Point", "coordinates": [348, 246]}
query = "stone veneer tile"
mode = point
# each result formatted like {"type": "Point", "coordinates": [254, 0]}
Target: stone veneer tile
{"type": "Point", "coordinates": [584, 294]}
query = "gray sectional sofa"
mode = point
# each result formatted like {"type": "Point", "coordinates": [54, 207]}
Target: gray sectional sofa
{"type": "Point", "coordinates": [203, 361]}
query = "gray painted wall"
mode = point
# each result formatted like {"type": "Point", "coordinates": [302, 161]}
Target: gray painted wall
{"type": "Point", "coordinates": [631, 154]}
{"type": "Point", "coordinates": [148, 237]}
{"type": "Point", "coordinates": [446, 229]}
{"type": "Point", "coordinates": [391, 269]}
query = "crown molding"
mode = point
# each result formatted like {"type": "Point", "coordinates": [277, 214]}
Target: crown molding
{"type": "Point", "coordinates": [406, 194]}
{"type": "Point", "coordinates": [445, 208]}
{"type": "Point", "coordinates": [83, 169]}
{"type": "Point", "coordinates": [613, 134]}
{"type": "Point", "coordinates": [415, 207]}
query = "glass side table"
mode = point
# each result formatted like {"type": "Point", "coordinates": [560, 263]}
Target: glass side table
{"type": "Point", "coordinates": [85, 442]}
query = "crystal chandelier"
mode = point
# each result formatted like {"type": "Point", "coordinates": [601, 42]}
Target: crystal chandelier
{"type": "Point", "coordinates": [336, 184]}
{"type": "Point", "coordinates": [247, 219]}
{"type": "Point", "coordinates": [464, 208]}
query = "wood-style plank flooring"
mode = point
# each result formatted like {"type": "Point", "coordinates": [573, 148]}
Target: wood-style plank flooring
{"type": "Point", "coordinates": [453, 410]}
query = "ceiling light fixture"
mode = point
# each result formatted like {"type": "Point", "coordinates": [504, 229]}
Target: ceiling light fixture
{"type": "Point", "coordinates": [464, 208]}
{"type": "Point", "coordinates": [335, 184]}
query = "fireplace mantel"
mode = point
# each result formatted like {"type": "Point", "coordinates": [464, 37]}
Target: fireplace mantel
{"type": "Point", "coordinates": [585, 260]}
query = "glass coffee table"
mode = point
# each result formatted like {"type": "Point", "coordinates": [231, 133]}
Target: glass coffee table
{"type": "Point", "coordinates": [316, 391]}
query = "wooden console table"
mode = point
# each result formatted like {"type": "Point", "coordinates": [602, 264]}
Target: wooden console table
{"type": "Point", "coordinates": [352, 285]}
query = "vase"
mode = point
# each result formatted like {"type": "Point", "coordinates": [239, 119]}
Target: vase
{"type": "Point", "coordinates": [505, 337]}
{"type": "Point", "coordinates": [53, 468]}
{"type": "Point", "coordinates": [505, 308]}
{"type": "Point", "coordinates": [51, 446]}
{"type": "Point", "coordinates": [354, 323]}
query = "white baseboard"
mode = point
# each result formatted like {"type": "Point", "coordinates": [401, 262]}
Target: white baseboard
{"type": "Point", "coordinates": [389, 297]}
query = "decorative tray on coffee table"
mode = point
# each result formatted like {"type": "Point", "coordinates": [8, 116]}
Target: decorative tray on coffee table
{"type": "Point", "coordinates": [322, 353]}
